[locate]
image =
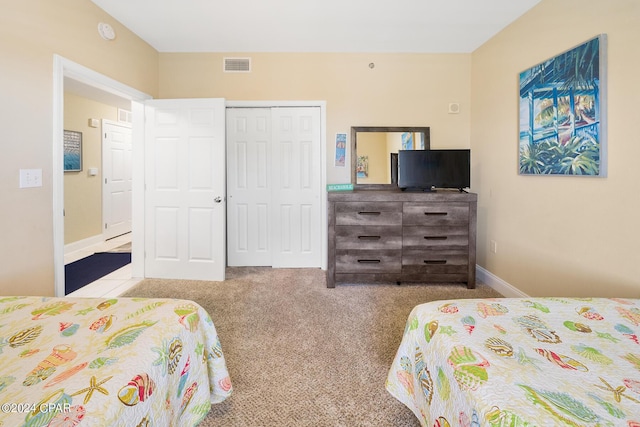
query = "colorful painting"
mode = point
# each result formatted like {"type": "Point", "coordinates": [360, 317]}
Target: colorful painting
{"type": "Point", "coordinates": [362, 167]}
{"type": "Point", "coordinates": [562, 113]}
{"type": "Point", "coordinates": [341, 149]}
{"type": "Point", "coordinates": [407, 141]}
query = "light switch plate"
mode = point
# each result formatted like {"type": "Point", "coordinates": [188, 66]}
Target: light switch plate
{"type": "Point", "coordinates": [30, 178]}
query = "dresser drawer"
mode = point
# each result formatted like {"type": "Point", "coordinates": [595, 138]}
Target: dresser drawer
{"type": "Point", "coordinates": [368, 213]}
{"type": "Point", "coordinates": [435, 213]}
{"type": "Point", "coordinates": [425, 257]}
{"type": "Point", "coordinates": [442, 237]}
{"type": "Point", "coordinates": [411, 274]}
{"type": "Point", "coordinates": [368, 237]}
{"type": "Point", "coordinates": [449, 265]}
{"type": "Point", "coordinates": [368, 261]}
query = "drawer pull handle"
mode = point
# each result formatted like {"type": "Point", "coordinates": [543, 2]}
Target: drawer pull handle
{"type": "Point", "coordinates": [369, 261]}
{"type": "Point", "coordinates": [436, 213]}
{"type": "Point", "coordinates": [368, 213]}
{"type": "Point", "coordinates": [435, 237]}
{"type": "Point", "coordinates": [369, 237]}
{"type": "Point", "coordinates": [435, 261]}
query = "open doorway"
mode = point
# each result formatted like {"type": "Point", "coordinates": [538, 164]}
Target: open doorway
{"type": "Point", "coordinates": [97, 190]}
{"type": "Point", "coordinates": [69, 76]}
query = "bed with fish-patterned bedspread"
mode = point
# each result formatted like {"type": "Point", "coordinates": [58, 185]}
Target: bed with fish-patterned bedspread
{"type": "Point", "coordinates": [521, 362]}
{"type": "Point", "coordinates": [108, 362]}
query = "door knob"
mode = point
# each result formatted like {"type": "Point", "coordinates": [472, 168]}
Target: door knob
{"type": "Point", "coordinates": [218, 199]}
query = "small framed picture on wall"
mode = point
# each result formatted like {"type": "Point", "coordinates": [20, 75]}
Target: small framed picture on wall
{"type": "Point", "coordinates": [72, 151]}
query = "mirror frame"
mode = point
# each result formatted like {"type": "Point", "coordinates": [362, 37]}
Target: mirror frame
{"type": "Point", "coordinates": [354, 152]}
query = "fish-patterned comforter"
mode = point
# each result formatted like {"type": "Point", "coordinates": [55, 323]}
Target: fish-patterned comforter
{"type": "Point", "coordinates": [108, 362]}
{"type": "Point", "coordinates": [521, 362]}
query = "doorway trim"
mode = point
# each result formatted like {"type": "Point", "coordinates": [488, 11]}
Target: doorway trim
{"type": "Point", "coordinates": [63, 67]}
{"type": "Point", "coordinates": [323, 156]}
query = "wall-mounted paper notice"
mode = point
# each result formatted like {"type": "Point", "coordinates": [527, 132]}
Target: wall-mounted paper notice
{"type": "Point", "coordinates": [341, 149]}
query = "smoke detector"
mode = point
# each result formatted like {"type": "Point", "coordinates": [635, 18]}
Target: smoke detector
{"type": "Point", "coordinates": [106, 31]}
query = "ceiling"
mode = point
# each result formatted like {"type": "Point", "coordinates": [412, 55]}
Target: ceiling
{"type": "Point", "coordinates": [405, 26]}
{"type": "Point", "coordinates": [91, 92]}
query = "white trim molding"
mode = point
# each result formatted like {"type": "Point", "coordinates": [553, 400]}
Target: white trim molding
{"type": "Point", "coordinates": [83, 244]}
{"type": "Point", "coordinates": [496, 283]}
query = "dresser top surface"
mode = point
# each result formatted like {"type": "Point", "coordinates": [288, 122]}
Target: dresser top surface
{"type": "Point", "coordinates": [402, 196]}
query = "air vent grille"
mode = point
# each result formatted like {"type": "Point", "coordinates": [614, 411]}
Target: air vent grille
{"type": "Point", "coordinates": [237, 65]}
{"type": "Point", "coordinates": [124, 116]}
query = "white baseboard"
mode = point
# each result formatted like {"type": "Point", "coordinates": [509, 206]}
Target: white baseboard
{"type": "Point", "coordinates": [493, 281]}
{"type": "Point", "coordinates": [83, 244]}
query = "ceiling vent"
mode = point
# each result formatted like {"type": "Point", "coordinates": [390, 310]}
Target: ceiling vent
{"type": "Point", "coordinates": [237, 65]}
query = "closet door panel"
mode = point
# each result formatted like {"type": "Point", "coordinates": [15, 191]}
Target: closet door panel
{"type": "Point", "coordinates": [296, 190]}
{"type": "Point", "coordinates": [274, 187]}
{"type": "Point", "coordinates": [248, 186]}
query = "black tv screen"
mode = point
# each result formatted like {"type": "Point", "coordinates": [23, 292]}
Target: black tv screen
{"type": "Point", "coordinates": [427, 169]}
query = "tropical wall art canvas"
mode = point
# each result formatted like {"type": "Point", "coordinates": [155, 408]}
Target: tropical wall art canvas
{"type": "Point", "coordinates": [562, 113]}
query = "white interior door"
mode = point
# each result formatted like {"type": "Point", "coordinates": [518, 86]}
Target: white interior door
{"type": "Point", "coordinates": [249, 186]}
{"type": "Point", "coordinates": [116, 175]}
{"type": "Point", "coordinates": [274, 187]}
{"type": "Point", "coordinates": [297, 187]}
{"type": "Point", "coordinates": [185, 189]}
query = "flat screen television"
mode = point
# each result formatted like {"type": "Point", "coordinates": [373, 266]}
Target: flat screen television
{"type": "Point", "coordinates": [426, 170]}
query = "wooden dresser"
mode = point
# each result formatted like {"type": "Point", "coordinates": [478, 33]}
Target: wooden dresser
{"type": "Point", "coordinates": [396, 236]}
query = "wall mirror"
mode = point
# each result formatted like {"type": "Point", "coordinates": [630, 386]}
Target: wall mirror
{"type": "Point", "coordinates": [374, 149]}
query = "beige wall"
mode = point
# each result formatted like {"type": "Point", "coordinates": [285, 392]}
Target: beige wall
{"type": "Point", "coordinates": [82, 192]}
{"type": "Point", "coordinates": [401, 90]}
{"type": "Point", "coordinates": [555, 235]}
{"type": "Point", "coordinates": [31, 32]}
{"type": "Point", "coordinates": [374, 146]}
{"type": "Point", "coordinates": [558, 236]}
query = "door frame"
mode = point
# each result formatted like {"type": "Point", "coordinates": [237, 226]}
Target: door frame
{"type": "Point", "coordinates": [323, 156]}
{"type": "Point", "coordinates": [65, 68]}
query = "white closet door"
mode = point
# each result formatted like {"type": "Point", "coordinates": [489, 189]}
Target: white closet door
{"type": "Point", "coordinates": [296, 187]}
{"type": "Point", "coordinates": [248, 186]}
{"type": "Point", "coordinates": [274, 187]}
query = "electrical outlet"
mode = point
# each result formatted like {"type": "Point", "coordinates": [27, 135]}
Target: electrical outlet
{"type": "Point", "coordinates": [494, 246]}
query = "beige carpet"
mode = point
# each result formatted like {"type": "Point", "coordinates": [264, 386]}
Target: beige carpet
{"type": "Point", "coordinates": [300, 354]}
